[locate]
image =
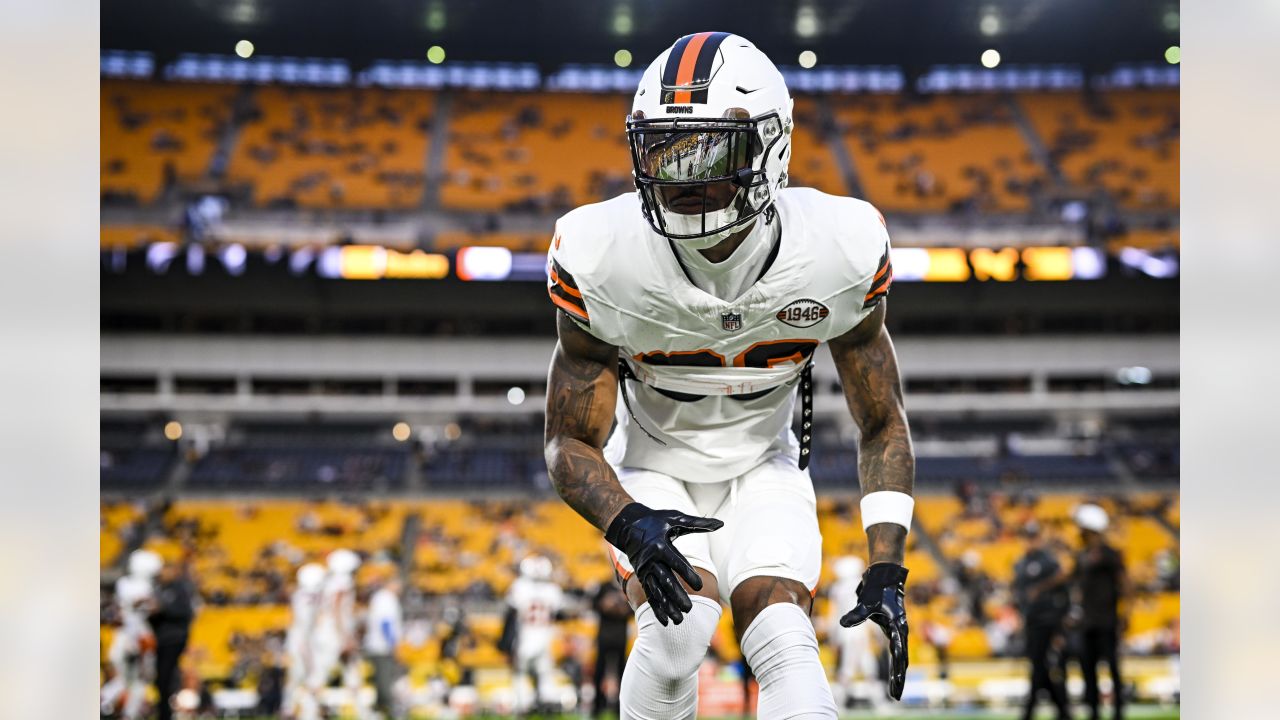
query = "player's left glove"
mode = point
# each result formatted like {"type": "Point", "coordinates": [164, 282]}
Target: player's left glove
{"type": "Point", "coordinates": [881, 599]}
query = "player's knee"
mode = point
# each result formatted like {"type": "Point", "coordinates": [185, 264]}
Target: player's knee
{"type": "Point", "coordinates": [710, 589]}
{"type": "Point", "coordinates": [754, 594]}
{"type": "Point", "coordinates": [673, 653]}
{"type": "Point", "coordinates": [781, 647]}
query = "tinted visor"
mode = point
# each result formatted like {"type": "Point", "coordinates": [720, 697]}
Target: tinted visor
{"type": "Point", "coordinates": [695, 155]}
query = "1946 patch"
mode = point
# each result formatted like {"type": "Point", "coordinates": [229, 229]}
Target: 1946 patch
{"type": "Point", "coordinates": [803, 313]}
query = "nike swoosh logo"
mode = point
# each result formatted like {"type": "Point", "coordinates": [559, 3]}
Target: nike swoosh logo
{"type": "Point", "coordinates": [745, 91]}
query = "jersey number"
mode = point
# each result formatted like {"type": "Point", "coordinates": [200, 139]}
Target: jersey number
{"type": "Point", "coordinates": [767, 354]}
{"type": "Point", "coordinates": [537, 613]}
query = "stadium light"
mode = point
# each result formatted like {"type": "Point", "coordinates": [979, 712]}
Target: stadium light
{"type": "Point", "coordinates": [1133, 376]}
{"type": "Point", "coordinates": [435, 54]}
{"type": "Point", "coordinates": [806, 22]}
{"type": "Point", "coordinates": [401, 431]}
{"type": "Point", "coordinates": [1171, 20]}
{"type": "Point", "coordinates": [173, 430]}
{"type": "Point", "coordinates": [436, 19]}
{"type": "Point", "coordinates": [244, 49]}
{"type": "Point", "coordinates": [989, 25]}
{"type": "Point", "coordinates": [808, 59]}
{"type": "Point", "coordinates": [452, 431]}
{"type": "Point", "coordinates": [990, 58]}
{"type": "Point", "coordinates": [515, 396]}
{"type": "Point", "coordinates": [622, 20]}
{"type": "Point", "coordinates": [1173, 55]}
{"type": "Point", "coordinates": [622, 58]}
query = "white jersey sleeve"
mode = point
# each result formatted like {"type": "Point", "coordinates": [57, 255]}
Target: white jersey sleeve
{"type": "Point", "coordinates": [575, 257]}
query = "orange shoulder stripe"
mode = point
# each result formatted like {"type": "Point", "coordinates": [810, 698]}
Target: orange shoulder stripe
{"type": "Point", "coordinates": [574, 310]}
{"type": "Point", "coordinates": [555, 278]}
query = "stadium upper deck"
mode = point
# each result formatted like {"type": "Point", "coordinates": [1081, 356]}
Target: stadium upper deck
{"type": "Point", "coordinates": [371, 148]}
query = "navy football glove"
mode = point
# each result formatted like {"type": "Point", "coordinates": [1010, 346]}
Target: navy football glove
{"type": "Point", "coordinates": [645, 535]}
{"type": "Point", "coordinates": [881, 599]}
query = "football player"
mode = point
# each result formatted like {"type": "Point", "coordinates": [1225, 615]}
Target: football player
{"type": "Point", "coordinates": [334, 642]}
{"type": "Point", "coordinates": [855, 648]}
{"type": "Point", "coordinates": [300, 698]}
{"type": "Point", "coordinates": [690, 311]}
{"type": "Point", "coordinates": [132, 651]}
{"type": "Point", "coordinates": [535, 601]}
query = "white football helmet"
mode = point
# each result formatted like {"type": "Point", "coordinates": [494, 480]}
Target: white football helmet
{"type": "Point", "coordinates": [849, 567]}
{"type": "Point", "coordinates": [311, 577]}
{"type": "Point", "coordinates": [710, 135]}
{"type": "Point", "coordinates": [343, 562]}
{"type": "Point", "coordinates": [145, 564]}
{"type": "Point", "coordinates": [1091, 517]}
{"type": "Point", "coordinates": [535, 567]}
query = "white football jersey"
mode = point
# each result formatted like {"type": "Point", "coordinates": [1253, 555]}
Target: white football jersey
{"type": "Point", "coordinates": [843, 596]}
{"type": "Point", "coordinates": [131, 593]}
{"type": "Point", "coordinates": [716, 378]}
{"type": "Point", "coordinates": [536, 603]}
{"type": "Point", "coordinates": [305, 608]}
{"type": "Point", "coordinates": [337, 613]}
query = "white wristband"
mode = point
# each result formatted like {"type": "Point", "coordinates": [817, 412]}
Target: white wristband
{"type": "Point", "coordinates": [887, 506]}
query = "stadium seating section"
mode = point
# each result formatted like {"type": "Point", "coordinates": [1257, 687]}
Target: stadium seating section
{"type": "Point", "coordinates": [1125, 142]}
{"type": "Point", "coordinates": [812, 162]}
{"type": "Point", "coordinates": [126, 237]}
{"type": "Point", "coordinates": [153, 135]}
{"type": "Point", "coordinates": [368, 148]}
{"type": "Point", "coordinates": [348, 148]}
{"type": "Point", "coordinates": [535, 151]}
{"type": "Point", "coordinates": [937, 153]}
{"type": "Point", "coordinates": [133, 456]}
{"type": "Point", "coordinates": [243, 554]}
{"type": "Point", "coordinates": [497, 454]}
{"type": "Point", "coordinates": [340, 458]}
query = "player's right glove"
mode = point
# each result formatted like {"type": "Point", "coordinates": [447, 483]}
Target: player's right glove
{"type": "Point", "coordinates": [645, 535]}
{"type": "Point", "coordinates": [881, 599]}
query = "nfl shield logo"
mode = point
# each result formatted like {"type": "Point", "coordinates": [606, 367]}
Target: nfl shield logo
{"type": "Point", "coordinates": [731, 321]}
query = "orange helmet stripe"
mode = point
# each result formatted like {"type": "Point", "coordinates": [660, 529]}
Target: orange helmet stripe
{"type": "Point", "coordinates": [688, 61]}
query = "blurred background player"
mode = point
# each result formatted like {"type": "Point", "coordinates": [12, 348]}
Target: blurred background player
{"type": "Point", "coordinates": [857, 647]}
{"type": "Point", "coordinates": [1040, 587]}
{"type": "Point", "coordinates": [172, 611]}
{"type": "Point", "coordinates": [384, 629]}
{"type": "Point", "coordinates": [1099, 586]}
{"type": "Point", "coordinates": [132, 652]}
{"type": "Point", "coordinates": [535, 601]}
{"type": "Point", "coordinates": [335, 642]}
{"type": "Point", "coordinates": [301, 688]}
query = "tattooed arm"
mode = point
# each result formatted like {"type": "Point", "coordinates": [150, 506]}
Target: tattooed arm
{"type": "Point", "coordinates": [582, 389]}
{"type": "Point", "coordinates": [868, 369]}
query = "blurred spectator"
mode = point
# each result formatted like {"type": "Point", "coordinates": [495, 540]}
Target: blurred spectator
{"type": "Point", "coordinates": [1039, 585]}
{"type": "Point", "coordinates": [614, 616]}
{"type": "Point", "coordinates": [1100, 584]}
{"type": "Point", "coordinates": [171, 623]}
{"type": "Point", "coordinates": [384, 630]}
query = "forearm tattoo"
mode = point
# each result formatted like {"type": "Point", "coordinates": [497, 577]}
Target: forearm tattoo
{"type": "Point", "coordinates": [868, 370]}
{"type": "Point", "coordinates": [581, 392]}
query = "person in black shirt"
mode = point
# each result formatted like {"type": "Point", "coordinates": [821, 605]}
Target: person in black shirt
{"type": "Point", "coordinates": [1040, 590]}
{"type": "Point", "coordinates": [614, 616]}
{"type": "Point", "coordinates": [1099, 580]}
{"type": "Point", "coordinates": [171, 624]}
